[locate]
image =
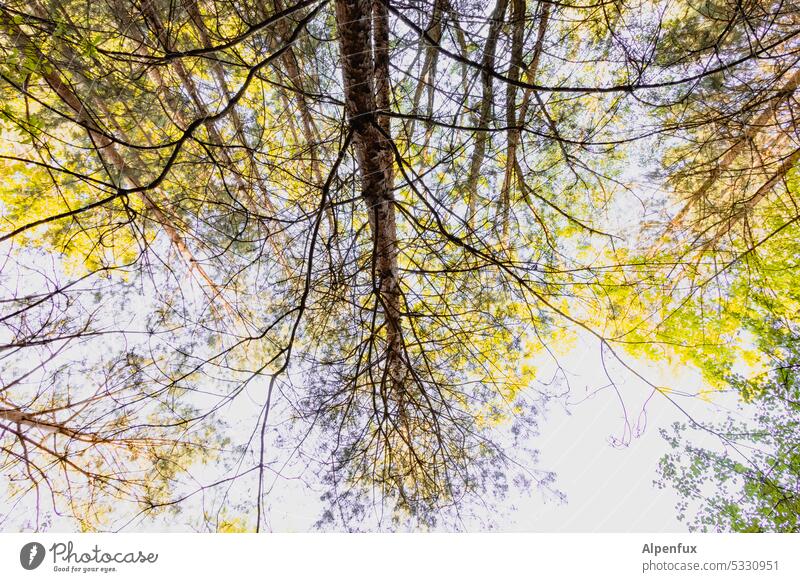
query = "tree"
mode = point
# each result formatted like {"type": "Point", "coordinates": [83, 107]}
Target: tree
{"type": "Point", "coordinates": [750, 482]}
{"type": "Point", "coordinates": [217, 203]}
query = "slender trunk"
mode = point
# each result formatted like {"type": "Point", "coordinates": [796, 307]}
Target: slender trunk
{"type": "Point", "coordinates": [485, 112]}
{"type": "Point", "coordinates": [514, 73]}
{"type": "Point", "coordinates": [427, 75]}
{"type": "Point", "coordinates": [32, 420]}
{"type": "Point", "coordinates": [274, 239]}
{"type": "Point", "coordinates": [533, 67]}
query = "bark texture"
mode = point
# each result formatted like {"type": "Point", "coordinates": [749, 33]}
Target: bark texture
{"type": "Point", "coordinates": [363, 39]}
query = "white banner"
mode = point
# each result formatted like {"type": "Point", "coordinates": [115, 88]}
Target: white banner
{"type": "Point", "coordinates": [400, 557]}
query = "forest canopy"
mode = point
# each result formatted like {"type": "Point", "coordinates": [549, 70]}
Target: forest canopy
{"type": "Point", "coordinates": [349, 243]}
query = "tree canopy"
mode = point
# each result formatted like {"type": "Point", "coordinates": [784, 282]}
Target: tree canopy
{"type": "Point", "coordinates": [340, 241]}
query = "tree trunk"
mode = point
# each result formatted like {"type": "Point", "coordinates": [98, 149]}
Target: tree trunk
{"type": "Point", "coordinates": [365, 74]}
{"type": "Point", "coordinates": [514, 72]}
{"type": "Point", "coordinates": [487, 97]}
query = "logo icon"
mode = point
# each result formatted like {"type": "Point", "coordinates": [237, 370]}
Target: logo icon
{"type": "Point", "coordinates": [31, 555]}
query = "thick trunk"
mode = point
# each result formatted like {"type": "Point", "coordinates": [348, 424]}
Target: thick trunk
{"type": "Point", "coordinates": [365, 73]}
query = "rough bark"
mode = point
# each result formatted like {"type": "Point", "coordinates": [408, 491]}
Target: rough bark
{"type": "Point", "coordinates": [365, 75]}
